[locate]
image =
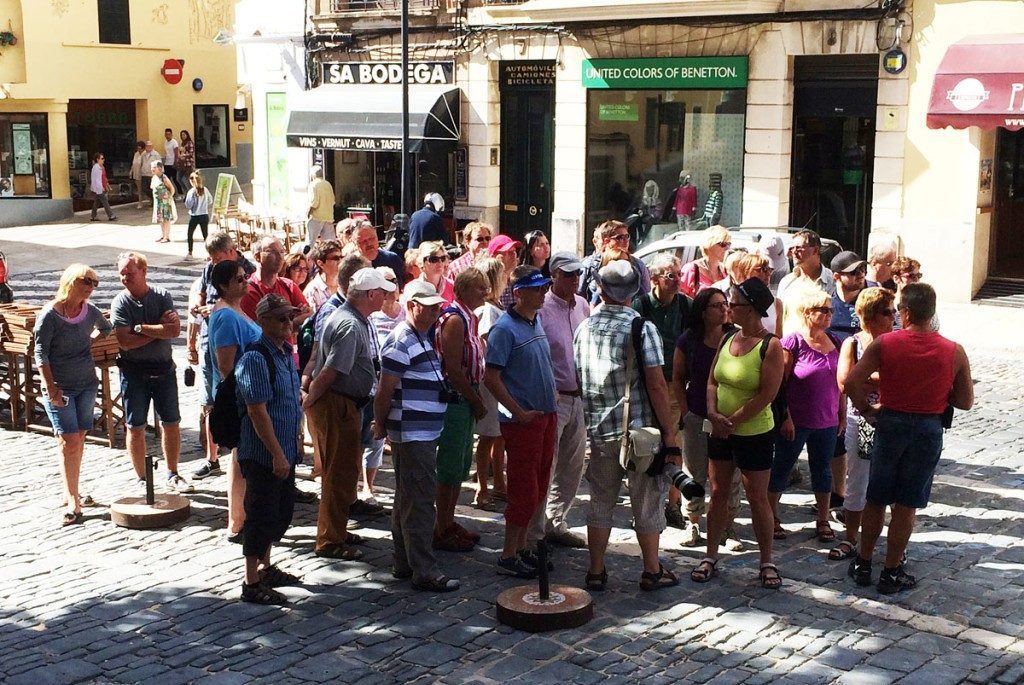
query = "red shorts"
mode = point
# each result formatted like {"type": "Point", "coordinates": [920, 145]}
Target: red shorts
{"type": "Point", "coordinates": [529, 449]}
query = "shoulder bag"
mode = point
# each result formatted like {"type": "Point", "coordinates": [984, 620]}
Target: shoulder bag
{"type": "Point", "coordinates": [640, 446]}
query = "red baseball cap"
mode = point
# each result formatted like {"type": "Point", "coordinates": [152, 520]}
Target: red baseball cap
{"type": "Point", "coordinates": [502, 243]}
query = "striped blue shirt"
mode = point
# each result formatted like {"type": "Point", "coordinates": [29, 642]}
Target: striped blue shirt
{"type": "Point", "coordinates": [417, 413]}
{"type": "Point", "coordinates": [283, 405]}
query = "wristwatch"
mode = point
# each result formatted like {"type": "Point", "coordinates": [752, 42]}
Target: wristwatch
{"type": "Point", "coordinates": [137, 328]}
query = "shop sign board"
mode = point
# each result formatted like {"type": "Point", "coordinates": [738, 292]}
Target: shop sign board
{"type": "Point", "coordinates": [366, 73]}
{"type": "Point", "coordinates": [346, 143]}
{"type": "Point", "coordinates": [462, 174]}
{"type": "Point", "coordinates": [227, 188]}
{"type": "Point", "coordinates": [21, 135]}
{"type": "Point", "coordinates": [618, 111]}
{"type": "Point", "coordinates": [526, 74]}
{"type": "Point", "coordinates": [277, 149]}
{"type": "Point", "coordinates": [666, 73]}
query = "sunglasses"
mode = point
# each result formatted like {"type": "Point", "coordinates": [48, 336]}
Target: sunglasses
{"type": "Point", "coordinates": [239, 279]}
{"type": "Point", "coordinates": [857, 274]}
{"type": "Point", "coordinates": [285, 318]}
{"type": "Point", "coordinates": [719, 305]}
{"type": "Point", "coordinates": [434, 259]}
{"type": "Point", "coordinates": [621, 238]}
{"type": "Point", "coordinates": [725, 245]}
{"type": "Point", "coordinates": [913, 276]}
{"type": "Point", "coordinates": [85, 280]}
{"type": "Point", "coordinates": [672, 276]}
{"type": "Point", "coordinates": [822, 310]}
{"type": "Point", "coordinates": [333, 258]}
{"type": "Point", "coordinates": [482, 239]}
{"type": "Point", "coordinates": [734, 305]}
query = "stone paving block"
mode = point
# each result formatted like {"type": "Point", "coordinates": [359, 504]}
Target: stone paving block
{"type": "Point", "coordinates": [898, 659]}
{"type": "Point", "coordinates": [509, 667]}
{"type": "Point", "coordinates": [325, 668]}
{"type": "Point", "coordinates": [432, 656]}
{"type": "Point", "coordinates": [840, 658]}
{"type": "Point", "coordinates": [869, 675]}
{"type": "Point", "coordinates": [538, 648]}
{"type": "Point", "coordinates": [223, 678]}
{"type": "Point", "coordinates": [142, 673]}
{"type": "Point", "coordinates": [935, 674]}
{"type": "Point", "coordinates": [61, 673]}
{"type": "Point", "coordinates": [176, 676]}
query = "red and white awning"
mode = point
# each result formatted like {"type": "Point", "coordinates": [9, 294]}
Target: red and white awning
{"type": "Point", "coordinates": [980, 82]}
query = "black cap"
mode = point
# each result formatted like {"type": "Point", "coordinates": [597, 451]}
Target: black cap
{"type": "Point", "coordinates": [757, 294]}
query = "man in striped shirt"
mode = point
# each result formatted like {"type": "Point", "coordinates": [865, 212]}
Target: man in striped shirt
{"type": "Point", "coordinates": [408, 409]}
{"type": "Point", "coordinates": [269, 446]}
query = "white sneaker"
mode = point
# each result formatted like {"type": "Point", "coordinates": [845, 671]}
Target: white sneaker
{"type": "Point", "coordinates": [691, 535]}
{"type": "Point", "coordinates": [732, 541]}
{"type": "Point", "coordinates": [178, 484]}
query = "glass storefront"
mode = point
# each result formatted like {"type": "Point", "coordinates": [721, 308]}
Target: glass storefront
{"type": "Point", "coordinates": [106, 126]}
{"type": "Point", "coordinates": [211, 135]}
{"type": "Point", "coordinates": [651, 132]}
{"type": "Point", "coordinates": [24, 156]}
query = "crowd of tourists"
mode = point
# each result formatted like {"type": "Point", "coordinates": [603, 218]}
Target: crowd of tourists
{"type": "Point", "coordinates": [534, 369]}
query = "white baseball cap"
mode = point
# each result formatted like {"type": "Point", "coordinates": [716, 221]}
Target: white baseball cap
{"type": "Point", "coordinates": [370, 279]}
{"type": "Point", "coordinates": [421, 292]}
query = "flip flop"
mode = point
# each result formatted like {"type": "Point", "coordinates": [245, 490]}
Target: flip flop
{"type": "Point", "coordinates": [71, 518]}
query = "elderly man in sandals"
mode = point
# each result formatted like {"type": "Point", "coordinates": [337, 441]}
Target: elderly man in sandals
{"type": "Point", "coordinates": [599, 347]}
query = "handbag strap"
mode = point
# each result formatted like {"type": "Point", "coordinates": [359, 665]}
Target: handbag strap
{"type": "Point", "coordinates": [624, 443]}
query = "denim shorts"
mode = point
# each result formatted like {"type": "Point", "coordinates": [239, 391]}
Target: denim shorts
{"type": "Point", "coordinates": [77, 413]}
{"type": "Point", "coordinates": [906, 452]}
{"type": "Point", "coordinates": [139, 388]}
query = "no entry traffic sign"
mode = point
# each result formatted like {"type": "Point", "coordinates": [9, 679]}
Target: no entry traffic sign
{"type": "Point", "coordinates": [172, 70]}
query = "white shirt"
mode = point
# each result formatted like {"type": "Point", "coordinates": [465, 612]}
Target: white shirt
{"type": "Point", "coordinates": [96, 179]}
{"type": "Point", "coordinates": [170, 152]}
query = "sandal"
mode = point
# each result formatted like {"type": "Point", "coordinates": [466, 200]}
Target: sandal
{"type": "Point", "coordinates": [258, 593]}
{"type": "Point", "coordinates": [340, 552]}
{"type": "Point", "coordinates": [770, 577]}
{"type": "Point", "coordinates": [655, 581]}
{"type": "Point", "coordinates": [779, 533]}
{"type": "Point", "coordinates": [825, 532]}
{"type": "Point", "coordinates": [706, 569]}
{"type": "Point", "coordinates": [596, 582]}
{"type": "Point", "coordinates": [71, 518]}
{"type": "Point", "coordinates": [353, 539]}
{"type": "Point", "coordinates": [844, 550]}
{"type": "Point", "coordinates": [272, 576]}
{"type": "Point", "coordinates": [88, 501]}
{"type": "Point", "coordinates": [439, 584]}
{"type": "Point", "coordinates": [485, 504]}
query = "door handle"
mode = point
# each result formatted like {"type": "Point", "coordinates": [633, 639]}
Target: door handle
{"type": "Point", "coordinates": [535, 210]}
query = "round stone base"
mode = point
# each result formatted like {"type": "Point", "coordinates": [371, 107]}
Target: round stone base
{"type": "Point", "coordinates": [566, 607]}
{"type": "Point", "coordinates": [133, 512]}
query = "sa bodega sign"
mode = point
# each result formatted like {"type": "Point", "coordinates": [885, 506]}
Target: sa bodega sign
{"type": "Point", "coordinates": [363, 73]}
{"type": "Point", "coordinates": [172, 70]}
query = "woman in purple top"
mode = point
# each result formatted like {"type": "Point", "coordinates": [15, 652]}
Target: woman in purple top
{"type": "Point", "coordinates": [691, 366]}
{"type": "Point", "coordinates": [813, 417]}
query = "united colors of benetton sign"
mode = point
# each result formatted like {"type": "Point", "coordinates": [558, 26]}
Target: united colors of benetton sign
{"type": "Point", "coordinates": [666, 73]}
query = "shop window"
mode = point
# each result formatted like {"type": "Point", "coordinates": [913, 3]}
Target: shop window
{"type": "Point", "coordinates": [106, 126]}
{"type": "Point", "coordinates": [635, 137]}
{"type": "Point", "coordinates": [115, 24]}
{"type": "Point", "coordinates": [210, 132]}
{"type": "Point", "coordinates": [24, 156]}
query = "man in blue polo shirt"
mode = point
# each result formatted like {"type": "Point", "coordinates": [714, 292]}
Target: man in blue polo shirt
{"type": "Point", "coordinates": [519, 375]}
{"type": "Point", "coordinates": [268, 446]}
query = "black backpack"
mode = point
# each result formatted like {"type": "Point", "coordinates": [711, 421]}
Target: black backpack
{"type": "Point", "coordinates": [225, 417]}
{"type": "Point", "coordinates": [307, 334]}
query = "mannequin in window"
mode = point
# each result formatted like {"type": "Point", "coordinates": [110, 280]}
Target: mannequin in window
{"type": "Point", "coordinates": [682, 202]}
{"type": "Point", "coordinates": [713, 205]}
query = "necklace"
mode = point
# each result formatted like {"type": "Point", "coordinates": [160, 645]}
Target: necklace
{"type": "Point", "coordinates": [760, 334]}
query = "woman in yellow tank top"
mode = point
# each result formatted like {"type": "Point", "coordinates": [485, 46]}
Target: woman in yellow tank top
{"type": "Point", "coordinates": [746, 375]}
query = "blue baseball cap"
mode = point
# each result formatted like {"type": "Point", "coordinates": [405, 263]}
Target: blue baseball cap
{"type": "Point", "coordinates": [534, 279]}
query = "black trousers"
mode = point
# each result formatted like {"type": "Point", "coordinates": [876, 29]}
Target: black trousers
{"type": "Point", "coordinates": [269, 504]}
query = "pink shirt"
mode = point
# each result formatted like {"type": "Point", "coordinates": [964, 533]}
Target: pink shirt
{"type": "Point", "coordinates": [560, 321]}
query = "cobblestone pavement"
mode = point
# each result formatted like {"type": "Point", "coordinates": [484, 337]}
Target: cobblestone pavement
{"type": "Point", "coordinates": [97, 603]}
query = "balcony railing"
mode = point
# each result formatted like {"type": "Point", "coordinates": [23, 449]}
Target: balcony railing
{"type": "Point", "coordinates": [349, 7]}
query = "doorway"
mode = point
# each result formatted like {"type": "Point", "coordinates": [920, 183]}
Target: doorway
{"type": "Point", "coordinates": [527, 146]}
{"type": "Point", "coordinates": [1007, 252]}
{"type": "Point", "coordinates": [834, 147]}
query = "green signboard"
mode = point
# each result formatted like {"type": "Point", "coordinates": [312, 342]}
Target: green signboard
{"type": "Point", "coordinates": [618, 111]}
{"type": "Point", "coordinates": [666, 73]}
{"type": "Point", "coordinates": [277, 149]}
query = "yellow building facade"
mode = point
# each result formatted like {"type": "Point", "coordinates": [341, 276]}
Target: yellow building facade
{"type": "Point", "coordinates": [962, 211]}
{"type": "Point", "coordinates": [87, 76]}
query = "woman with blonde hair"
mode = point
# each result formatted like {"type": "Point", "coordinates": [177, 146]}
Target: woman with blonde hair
{"type": "Point", "coordinates": [197, 202]}
{"type": "Point", "coordinates": [816, 411]}
{"type": "Point", "coordinates": [412, 263]}
{"type": "Point", "coordinates": [875, 308]}
{"type": "Point", "coordinates": [164, 211]}
{"type": "Point", "coordinates": [704, 272]}
{"type": "Point", "coordinates": [433, 263]}
{"type": "Point", "coordinates": [490, 449]}
{"type": "Point", "coordinates": [757, 266]}
{"type": "Point", "coordinates": [63, 353]}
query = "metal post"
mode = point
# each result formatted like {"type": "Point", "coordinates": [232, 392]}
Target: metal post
{"type": "Point", "coordinates": [149, 480]}
{"type": "Point", "coordinates": [542, 570]}
{"type": "Point", "coordinates": [406, 175]}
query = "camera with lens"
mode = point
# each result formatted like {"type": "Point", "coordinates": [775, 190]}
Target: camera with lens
{"type": "Point", "coordinates": [449, 396]}
{"type": "Point", "coordinates": [689, 488]}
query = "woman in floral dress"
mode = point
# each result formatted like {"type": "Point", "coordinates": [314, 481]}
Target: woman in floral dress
{"type": "Point", "coordinates": [164, 211]}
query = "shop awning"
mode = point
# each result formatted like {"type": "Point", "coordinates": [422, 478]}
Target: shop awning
{"type": "Point", "coordinates": [369, 118]}
{"type": "Point", "coordinates": [980, 82]}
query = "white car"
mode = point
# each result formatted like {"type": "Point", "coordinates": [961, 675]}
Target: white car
{"type": "Point", "coordinates": [686, 245]}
